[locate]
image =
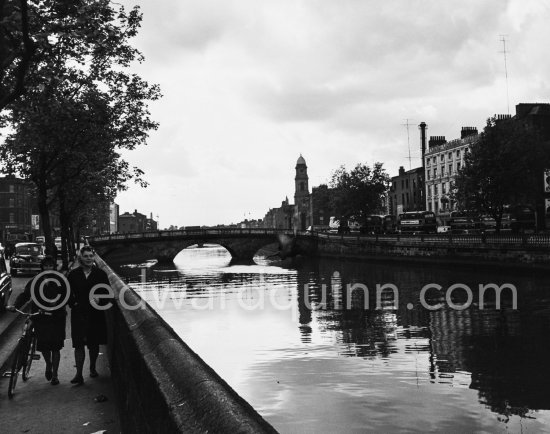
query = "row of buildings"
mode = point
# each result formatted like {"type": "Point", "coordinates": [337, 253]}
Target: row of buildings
{"type": "Point", "coordinates": [429, 187]}
{"type": "Point", "coordinates": [424, 188]}
{"type": "Point", "coordinates": [19, 217]}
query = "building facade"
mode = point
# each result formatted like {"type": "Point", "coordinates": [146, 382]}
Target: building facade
{"type": "Point", "coordinates": [134, 222]}
{"type": "Point", "coordinates": [113, 217]}
{"type": "Point", "coordinates": [281, 217]}
{"type": "Point", "coordinates": [151, 224]}
{"type": "Point", "coordinates": [442, 161]}
{"type": "Point", "coordinates": [407, 191]}
{"type": "Point", "coordinates": [15, 208]}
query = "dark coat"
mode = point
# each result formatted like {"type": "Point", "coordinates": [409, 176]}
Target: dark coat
{"type": "Point", "coordinates": [88, 326]}
{"type": "Point", "coordinates": [50, 326]}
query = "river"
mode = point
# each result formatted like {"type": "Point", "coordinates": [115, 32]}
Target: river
{"type": "Point", "coordinates": [314, 347]}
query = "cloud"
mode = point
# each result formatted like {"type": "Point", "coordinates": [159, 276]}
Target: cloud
{"type": "Point", "coordinates": [251, 84]}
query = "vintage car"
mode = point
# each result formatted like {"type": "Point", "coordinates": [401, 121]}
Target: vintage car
{"type": "Point", "coordinates": [26, 258]}
{"type": "Point", "coordinates": [5, 283]}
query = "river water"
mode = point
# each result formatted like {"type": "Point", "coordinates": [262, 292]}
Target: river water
{"type": "Point", "coordinates": [314, 347]}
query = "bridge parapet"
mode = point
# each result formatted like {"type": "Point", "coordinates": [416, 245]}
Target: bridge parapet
{"type": "Point", "coordinates": [242, 244]}
{"type": "Point", "coordinates": [225, 232]}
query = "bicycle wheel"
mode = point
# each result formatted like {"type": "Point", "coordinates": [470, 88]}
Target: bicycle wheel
{"type": "Point", "coordinates": [31, 350]}
{"type": "Point", "coordinates": [17, 360]}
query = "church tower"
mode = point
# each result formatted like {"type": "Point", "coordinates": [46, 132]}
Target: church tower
{"type": "Point", "coordinates": [302, 198]}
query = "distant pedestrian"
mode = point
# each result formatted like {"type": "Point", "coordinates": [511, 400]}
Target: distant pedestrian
{"type": "Point", "coordinates": [49, 326]}
{"type": "Point", "coordinates": [88, 326]}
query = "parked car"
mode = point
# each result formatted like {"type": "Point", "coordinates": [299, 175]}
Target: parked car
{"type": "Point", "coordinates": [5, 283]}
{"type": "Point", "coordinates": [26, 258]}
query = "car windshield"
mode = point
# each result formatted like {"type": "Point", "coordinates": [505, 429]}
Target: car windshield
{"type": "Point", "coordinates": [28, 250]}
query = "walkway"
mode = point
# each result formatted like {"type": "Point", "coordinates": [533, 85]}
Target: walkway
{"type": "Point", "coordinates": [39, 407]}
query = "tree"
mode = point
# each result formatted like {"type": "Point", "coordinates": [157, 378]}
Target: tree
{"type": "Point", "coordinates": [67, 132]}
{"type": "Point", "coordinates": [502, 168]}
{"type": "Point", "coordinates": [360, 191]}
{"type": "Point", "coordinates": [322, 203]}
{"type": "Point", "coordinates": [34, 31]}
{"type": "Point", "coordinates": [16, 49]}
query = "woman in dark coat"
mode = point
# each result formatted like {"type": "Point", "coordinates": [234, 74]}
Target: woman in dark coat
{"type": "Point", "coordinates": [49, 326]}
{"type": "Point", "coordinates": [88, 326]}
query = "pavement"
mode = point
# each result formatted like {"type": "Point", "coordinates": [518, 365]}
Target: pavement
{"type": "Point", "coordinates": [39, 407]}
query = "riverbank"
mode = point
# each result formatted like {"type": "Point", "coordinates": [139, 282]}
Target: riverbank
{"type": "Point", "coordinates": [530, 253]}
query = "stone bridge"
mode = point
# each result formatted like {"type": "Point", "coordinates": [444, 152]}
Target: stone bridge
{"type": "Point", "coordinates": [242, 244]}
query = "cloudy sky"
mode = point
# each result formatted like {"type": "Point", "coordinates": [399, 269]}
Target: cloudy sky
{"type": "Point", "coordinates": [249, 85]}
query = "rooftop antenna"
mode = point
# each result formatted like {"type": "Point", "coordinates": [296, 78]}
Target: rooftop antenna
{"type": "Point", "coordinates": [407, 124]}
{"type": "Point", "coordinates": [503, 40]}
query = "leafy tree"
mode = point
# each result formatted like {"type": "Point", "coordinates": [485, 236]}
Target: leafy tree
{"type": "Point", "coordinates": [504, 167]}
{"type": "Point", "coordinates": [16, 49]}
{"type": "Point", "coordinates": [360, 191]}
{"type": "Point", "coordinates": [54, 31]}
{"type": "Point", "coordinates": [80, 111]}
{"type": "Point", "coordinates": [322, 203]}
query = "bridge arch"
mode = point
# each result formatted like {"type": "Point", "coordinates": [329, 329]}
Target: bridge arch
{"type": "Point", "coordinates": [242, 244]}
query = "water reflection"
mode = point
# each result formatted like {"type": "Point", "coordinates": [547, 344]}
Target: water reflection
{"type": "Point", "coordinates": [281, 336]}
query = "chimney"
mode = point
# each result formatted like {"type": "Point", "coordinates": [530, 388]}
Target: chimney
{"type": "Point", "coordinates": [503, 117]}
{"type": "Point", "coordinates": [423, 127]}
{"type": "Point", "coordinates": [401, 170]}
{"type": "Point", "coordinates": [468, 131]}
{"type": "Point", "coordinates": [436, 141]}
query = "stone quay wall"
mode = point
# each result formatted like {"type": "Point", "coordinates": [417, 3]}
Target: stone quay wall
{"type": "Point", "coordinates": [160, 383]}
{"type": "Point", "coordinates": [521, 252]}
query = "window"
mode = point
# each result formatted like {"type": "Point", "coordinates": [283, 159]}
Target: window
{"type": "Point", "coordinates": [443, 188]}
{"type": "Point", "coordinates": [12, 188]}
{"type": "Point", "coordinates": [442, 170]}
{"type": "Point", "coordinates": [407, 183]}
{"type": "Point", "coordinates": [403, 198]}
{"type": "Point", "coordinates": [442, 157]}
{"type": "Point", "coordinates": [450, 155]}
{"type": "Point", "coordinates": [12, 217]}
{"type": "Point", "coordinates": [458, 166]}
{"type": "Point", "coordinates": [429, 206]}
{"type": "Point", "coordinates": [429, 173]}
{"type": "Point", "coordinates": [458, 153]}
{"type": "Point", "coordinates": [429, 190]}
{"type": "Point", "coordinates": [11, 202]}
{"type": "Point", "coordinates": [435, 190]}
{"type": "Point", "coordinates": [450, 169]}
{"type": "Point", "coordinates": [414, 184]}
{"type": "Point", "coordinates": [302, 186]}
{"type": "Point", "coordinates": [435, 172]}
{"type": "Point", "coordinates": [427, 161]}
{"type": "Point", "coordinates": [407, 198]}
{"type": "Point", "coordinates": [402, 184]}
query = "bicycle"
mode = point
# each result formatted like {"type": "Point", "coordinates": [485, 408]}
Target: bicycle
{"type": "Point", "coordinates": [25, 351]}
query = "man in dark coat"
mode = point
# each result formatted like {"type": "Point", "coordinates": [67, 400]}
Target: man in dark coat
{"type": "Point", "coordinates": [88, 326]}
